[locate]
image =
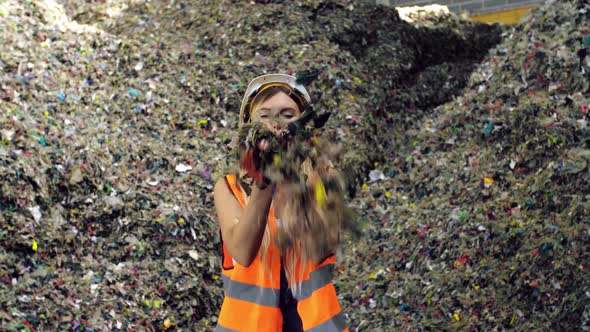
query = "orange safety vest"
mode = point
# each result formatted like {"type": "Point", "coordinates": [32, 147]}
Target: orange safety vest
{"type": "Point", "coordinates": [251, 300]}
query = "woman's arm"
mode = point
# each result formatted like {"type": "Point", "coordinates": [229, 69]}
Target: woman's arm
{"type": "Point", "coordinates": [242, 229]}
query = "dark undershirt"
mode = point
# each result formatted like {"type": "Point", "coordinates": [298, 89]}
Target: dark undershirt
{"type": "Point", "coordinates": [288, 305]}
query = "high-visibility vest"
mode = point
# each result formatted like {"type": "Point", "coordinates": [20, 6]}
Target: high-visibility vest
{"type": "Point", "coordinates": [251, 293]}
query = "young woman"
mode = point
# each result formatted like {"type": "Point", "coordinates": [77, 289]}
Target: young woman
{"type": "Point", "coordinates": [266, 288]}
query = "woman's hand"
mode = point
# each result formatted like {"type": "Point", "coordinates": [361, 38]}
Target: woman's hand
{"type": "Point", "coordinates": [252, 163]}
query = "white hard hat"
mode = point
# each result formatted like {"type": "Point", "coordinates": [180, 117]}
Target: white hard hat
{"type": "Point", "coordinates": [261, 81]}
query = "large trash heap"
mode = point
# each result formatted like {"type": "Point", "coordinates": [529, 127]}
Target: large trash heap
{"type": "Point", "coordinates": [467, 153]}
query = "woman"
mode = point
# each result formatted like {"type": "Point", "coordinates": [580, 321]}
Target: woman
{"type": "Point", "coordinates": [267, 288]}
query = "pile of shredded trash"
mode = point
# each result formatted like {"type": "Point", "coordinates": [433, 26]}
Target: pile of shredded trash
{"type": "Point", "coordinates": [116, 119]}
{"type": "Point", "coordinates": [478, 219]}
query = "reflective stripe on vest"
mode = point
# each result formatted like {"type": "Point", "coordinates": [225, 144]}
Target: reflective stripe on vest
{"type": "Point", "coordinates": [317, 279]}
{"type": "Point", "coordinates": [336, 323]}
{"type": "Point", "coordinates": [251, 293]}
{"type": "Point", "coordinates": [220, 328]}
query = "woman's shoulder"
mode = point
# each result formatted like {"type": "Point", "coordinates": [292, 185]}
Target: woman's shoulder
{"type": "Point", "coordinates": [222, 190]}
{"type": "Point", "coordinates": [228, 177]}
{"type": "Point", "coordinates": [224, 182]}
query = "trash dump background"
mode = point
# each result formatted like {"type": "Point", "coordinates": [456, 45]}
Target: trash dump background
{"type": "Point", "coordinates": [467, 154]}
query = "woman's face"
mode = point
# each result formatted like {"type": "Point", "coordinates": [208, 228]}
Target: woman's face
{"type": "Point", "coordinates": [276, 112]}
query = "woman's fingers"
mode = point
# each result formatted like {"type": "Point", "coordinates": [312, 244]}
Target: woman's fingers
{"type": "Point", "coordinates": [263, 145]}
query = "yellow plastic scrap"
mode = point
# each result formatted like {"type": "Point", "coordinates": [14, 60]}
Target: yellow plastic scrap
{"type": "Point", "coordinates": [35, 246]}
{"type": "Point", "coordinates": [456, 316]}
{"type": "Point", "coordinates": [320, 193]}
